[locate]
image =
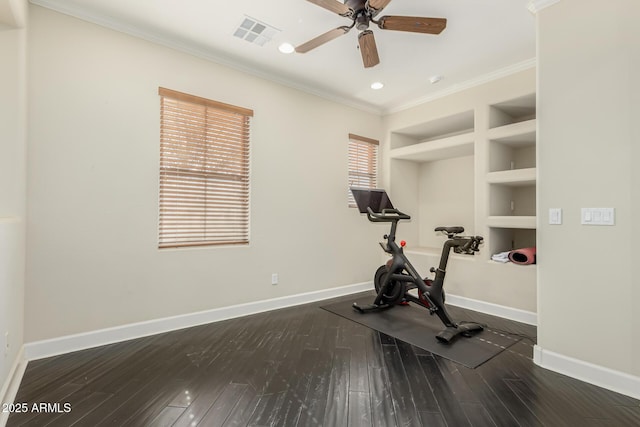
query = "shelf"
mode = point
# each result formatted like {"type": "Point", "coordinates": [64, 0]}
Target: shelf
{"type": "Point", "coordinates": [514, 178]}
{"type": "Point", "coordinates": [512, 265]}
{"type": "Point", "coordinates": [436, 172]}
{"type": "Point", "coordinates": [512, 146]}
{"type": "Point", "coordinates": [439, 149]}
{"type": "Point", "coordinates": [527, 222]}
{"type": "Point", "coordinates": [513, 111]}
{"type": "Point", "coordinates": [453, 124]}
{"type": "Point", "coordinates": [519, 134]}
{"type": "Point", "coordinates": [508, 239]}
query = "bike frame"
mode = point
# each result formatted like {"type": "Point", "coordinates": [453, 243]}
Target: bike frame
{"type": "Point", "coordinates": [400, 273]}
{"type": "Point", "coordinates": [401, 270]}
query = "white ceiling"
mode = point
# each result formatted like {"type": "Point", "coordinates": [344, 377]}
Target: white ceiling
{"type": "Point", "coordinates": [483, 39]}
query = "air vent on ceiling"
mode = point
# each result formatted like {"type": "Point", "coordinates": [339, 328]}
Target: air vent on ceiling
{"type": "Point", "coordinates": [255, 31]}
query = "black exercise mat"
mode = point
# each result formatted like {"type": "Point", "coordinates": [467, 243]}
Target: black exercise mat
{"type": "Point", "coordinates": [414, 325]}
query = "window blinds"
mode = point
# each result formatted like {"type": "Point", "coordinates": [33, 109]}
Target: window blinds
{"type": "Point", "coordinates": [363, 164]}
{"type": "Point", "coordinates": [204, 171]}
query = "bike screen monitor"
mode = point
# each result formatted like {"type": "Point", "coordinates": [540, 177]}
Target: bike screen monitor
{"type": "Point", "coordinates": [375, 199]}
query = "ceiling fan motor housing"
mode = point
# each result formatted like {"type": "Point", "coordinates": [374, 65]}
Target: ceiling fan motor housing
{"type": "Point", "coordinates": [362, 21]}
{"type": "Point", "coordinates": [356, 5]}
{"type": "Point", "coordinates": [361, 16]}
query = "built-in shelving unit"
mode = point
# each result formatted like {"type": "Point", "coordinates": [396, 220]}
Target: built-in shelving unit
{"type": "Point", "coordinates": [512, 174]}
{"type": "Point", "coordinates": [426, 151]}
{"type": "Point", "coordinates": [475, 167]}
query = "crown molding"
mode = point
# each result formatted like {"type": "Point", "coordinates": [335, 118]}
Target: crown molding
{"type": "Point", "coordinates": [477, 81]}
{"type": "Point", "coordinates": [536, 6]}
{"type": "Point", "coordinates": [325, 93]}
{"type": "Point", "coordinates": [238, 65]}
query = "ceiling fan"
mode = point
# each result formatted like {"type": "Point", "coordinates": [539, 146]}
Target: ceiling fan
{"type": "Point", "coordinates": [363, 12]}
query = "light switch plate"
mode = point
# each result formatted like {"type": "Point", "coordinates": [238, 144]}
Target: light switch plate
{"type": "Point", "coordinates": [555, 216]}
{"type": "Point", "coordinates": [598, 216]}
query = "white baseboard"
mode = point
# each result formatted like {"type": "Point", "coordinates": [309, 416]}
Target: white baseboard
{"type": "Point", "coordinates": [11, 385]}
{"type": "Point", "coordinates": [584, 371]}
{"type": "Point", "coordinates": [510, 313]}
{"type": "Point", "coordinates": [66, 344]}
{"type": "Point", "coordinates": [600, 376]}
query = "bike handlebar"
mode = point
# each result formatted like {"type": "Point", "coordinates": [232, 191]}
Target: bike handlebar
{"type": "Point", "coordinates": [387, 215]}
{"type": "Point", "coordinates": [471, 246]}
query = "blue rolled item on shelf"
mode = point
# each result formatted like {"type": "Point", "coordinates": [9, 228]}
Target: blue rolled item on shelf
{"type": "Point", "coordinates": [523, 256]}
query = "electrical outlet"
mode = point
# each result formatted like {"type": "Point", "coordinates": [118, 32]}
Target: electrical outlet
{"type": "Point", "coordinates": [274, 279]}
{"type": "Point", "coordinates": [6, 343]}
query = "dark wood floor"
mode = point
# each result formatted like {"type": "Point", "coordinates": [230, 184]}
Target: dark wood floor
{"type": "Point", "coordinates": [304, 366]}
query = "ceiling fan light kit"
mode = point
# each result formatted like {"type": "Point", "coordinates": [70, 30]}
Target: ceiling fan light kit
{"type": "Point", "coordinates": [362, 13]}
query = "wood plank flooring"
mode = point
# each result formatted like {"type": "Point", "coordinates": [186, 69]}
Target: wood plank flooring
{"type": "Point", "coordinates": [304, 366]}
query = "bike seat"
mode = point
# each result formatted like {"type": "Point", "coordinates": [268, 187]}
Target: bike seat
{"type": "Point", "coordinates": [451, 230]}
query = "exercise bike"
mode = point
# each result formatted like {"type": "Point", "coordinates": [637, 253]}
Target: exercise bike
{"type": "Point", "coordinates": [397, 277]}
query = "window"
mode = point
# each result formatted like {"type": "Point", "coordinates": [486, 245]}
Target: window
{"type": "Point", "coordinates": [204, 171]}
{"type": "Point", "coordinates": [363, 164]}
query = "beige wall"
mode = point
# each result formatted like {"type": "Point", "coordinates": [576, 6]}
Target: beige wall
{"type": "Point", "coordinates": [446, 197]}
{"type": "Point", "coordinates": [13, 110]}
{"type": "Point", "coordinates": [93, 186]}
{"type": "Point", "coordinates": [13, 47]}
{"type": "Point", "coordinates": [633, 33]}
{"type": "Point", "coordinates": [13, 14]}
{"type": "Point", "coordinates": [588, 154]}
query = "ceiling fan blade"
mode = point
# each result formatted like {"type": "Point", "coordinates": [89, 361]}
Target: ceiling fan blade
{"type": "Point", "coordinates": [322, 39]}
{"type": "Point", "coordinates": [378, 5]}
{"type": "Point", "coordinates": [334, 6]}
{"type": "Point", "coordinates": [414, 24]}
{"type": "Point", "coordinates": [368, 49]}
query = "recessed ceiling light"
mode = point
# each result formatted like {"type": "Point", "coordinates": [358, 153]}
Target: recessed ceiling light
{"type": "Point", "coordinates": [435, 79]}
{"type": "Point", "coordinates": [286, 48]}
{"type": "Point", "coordinates": [377, 85]}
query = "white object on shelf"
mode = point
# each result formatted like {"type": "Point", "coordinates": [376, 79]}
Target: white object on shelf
{"type": "Point", "coordinates": [501, 257]}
